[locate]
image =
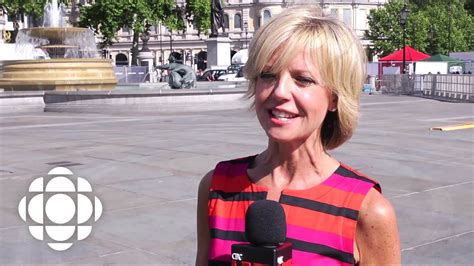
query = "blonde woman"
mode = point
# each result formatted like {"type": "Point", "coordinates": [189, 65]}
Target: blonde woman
{"type": "Point", "coordinates": [305, 75]}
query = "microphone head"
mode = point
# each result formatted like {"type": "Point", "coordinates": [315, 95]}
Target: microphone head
{"type": "Point", "coordinates": [265, 223]}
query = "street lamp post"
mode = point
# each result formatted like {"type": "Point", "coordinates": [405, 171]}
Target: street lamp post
{"type": "Point", "coordinates": [403, 21]}
{"type": "Point", "coordinates": [246, 28]}
{"type": "Point", "coordinates": [430, 36]}
{"type": "Point", "coordinates": [161, 47]}
{"type": "Point", "coordinates": [171, 41]}
{"type": "Point", "coordinates": [450, 10]}
{"type": "Point", "coordinates": [414, 35]}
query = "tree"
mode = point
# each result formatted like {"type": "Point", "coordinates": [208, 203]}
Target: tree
{"type": "Point", "coordinates": [107, 17]}
{"type": "Point", "coordinates": [17, 8]}
{"type": "Point", "coordinates": [386, 33]}
{"type": "Point", "coordinates": [469, 6]}
{"type": "Point", "coordinates": [199, 13]}
{"type": "Point", "coordinates": [450, 33]}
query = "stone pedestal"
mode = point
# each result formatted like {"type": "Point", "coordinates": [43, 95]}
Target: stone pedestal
{"type": "Point", "coordinates": [146, 59]}
{"type": "Point", "coordinates": [218, 51]}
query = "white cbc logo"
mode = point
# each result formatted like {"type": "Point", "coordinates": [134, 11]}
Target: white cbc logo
{"type": "Point", "coordinates": [69, 207]}
{"type": "Point", "coordinates": [237, 256]}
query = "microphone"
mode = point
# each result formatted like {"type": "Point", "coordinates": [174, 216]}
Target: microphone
{"type": "Point", "coordinates": [265, 229]}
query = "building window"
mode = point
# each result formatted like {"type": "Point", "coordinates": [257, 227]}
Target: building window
{"type": "Point", "coordinates": [121, 60]}
{"type": "Point", "coordinates": [226, 21]}
{"type": "Point", "coordinates": [361, 19]}
{"type": "Point", "coordinates": [346, 16]}
{"type": "Point", "coordinates": [334, 13]}
{"type": "Point", "coordinates": [266, 16]}
{"type": "Point", "coordinates": [237, 21]}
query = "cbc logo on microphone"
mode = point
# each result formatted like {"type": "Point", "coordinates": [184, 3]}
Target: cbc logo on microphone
{"type": "Point", "coordinates": [60, 208]}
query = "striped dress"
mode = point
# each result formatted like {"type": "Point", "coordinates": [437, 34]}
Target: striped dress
{"type": "Point", "coordinates": [321, 221]}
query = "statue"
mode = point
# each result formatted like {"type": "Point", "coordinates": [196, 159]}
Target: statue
{"type": "Point", "coordinates": [181, 76]}
{"type": "Point", "coordinates": [217, 18]}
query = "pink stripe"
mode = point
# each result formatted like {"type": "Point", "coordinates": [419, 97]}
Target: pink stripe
{"type": "Point", "coordinates": [220, 249]}
{"type": "Point", "coordinates": [227, 224]}
{"type": "Point", "coordinates": [306, 258]}
{"type": "Point", "coordinates": [348, 184]}
{"type": "Point", "coordinates": [319, 237]}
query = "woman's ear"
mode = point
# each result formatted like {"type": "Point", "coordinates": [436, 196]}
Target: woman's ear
{"type": "Point", "coordinates": [332, 106]}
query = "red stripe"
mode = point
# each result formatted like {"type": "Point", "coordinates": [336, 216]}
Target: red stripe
{"type": "Point", "coordinates": [336, 197]}
{"type": "Point", "coordinates": [320, 221]}
{"type": "Point", "coordinates": [228, 209]}
{"type": "Point", "coordinates": [325, 238]}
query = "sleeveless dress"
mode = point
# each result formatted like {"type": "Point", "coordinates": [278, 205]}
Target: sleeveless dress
{"type": "Point", "coordinates": [321, 221]}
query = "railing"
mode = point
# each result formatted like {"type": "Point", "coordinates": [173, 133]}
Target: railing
{"type": "Point", "coordinates": [456, 87]}
{"type": "Point", "coordinates": [132, 74]}
{"type": "Point", "coordinates": [453, 87]}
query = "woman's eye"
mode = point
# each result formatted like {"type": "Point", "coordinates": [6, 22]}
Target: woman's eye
{"type": "Point", "coordinates": [304, 81]}
{"type": "Point", "coordinates": [267, 76]}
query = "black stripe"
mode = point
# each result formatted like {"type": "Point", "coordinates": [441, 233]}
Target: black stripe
{"type": "Point", "coordinates": [322, 250]}
{"type": "Point", "coordinates": [228, 235]}
{"type": "Point", "coordinates": [319, 206]}
{"type": "Point", "coordinates": [237, 196]}
{"type": "Point", "coordinates": [348, 173]}
{"type": "Point", "coordinates": [219, 263]}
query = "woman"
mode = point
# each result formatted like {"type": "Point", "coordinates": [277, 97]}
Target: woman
{"type": "Point", "coordinates": [305, 75]}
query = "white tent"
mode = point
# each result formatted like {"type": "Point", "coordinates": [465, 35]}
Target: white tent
{"type": "Point", "coordinates": [241, 57]}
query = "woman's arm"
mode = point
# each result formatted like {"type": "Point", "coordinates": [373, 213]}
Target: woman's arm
{"type": "Point", "coordinates": [202, 220]}
{"type": "Point", "coordinates": [377, 238]}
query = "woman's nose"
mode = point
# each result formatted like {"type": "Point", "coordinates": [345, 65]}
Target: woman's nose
{"type": "Point", "coordinates": [283, 87]}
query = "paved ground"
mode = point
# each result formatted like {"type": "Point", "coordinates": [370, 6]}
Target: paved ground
{"type": "Point", "coordinates": [146, 168]}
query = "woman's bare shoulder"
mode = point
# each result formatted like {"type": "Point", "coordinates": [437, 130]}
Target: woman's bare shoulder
{"type": "Point", "coordinates": [377, 236]}
{"type": "Point", "coordinates": [206, 181]}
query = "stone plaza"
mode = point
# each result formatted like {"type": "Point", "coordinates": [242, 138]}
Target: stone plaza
{"type": "Point", "coordinates": [146, 167]}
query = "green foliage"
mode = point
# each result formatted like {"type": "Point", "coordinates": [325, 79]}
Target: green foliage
{"type": "Point", "coordinates": [386, 33]}
{"type": "Point", "coordinates": [199, 13]}
{"type": "Point", "coordinates": [449, 35]}
{"type": "Point", "coordinates": [469, 6]}
{"type": "Point", "coordinates": [14, 8]}
{"type": "Point", "coordinates": [384, 28]}
{"type": "Point", "coordinates": [107, 17]}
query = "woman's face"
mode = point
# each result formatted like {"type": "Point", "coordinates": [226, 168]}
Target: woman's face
{"type": "Point", "coordinates": [291, 105]}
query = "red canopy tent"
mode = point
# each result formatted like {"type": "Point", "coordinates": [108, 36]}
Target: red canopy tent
{"type": "Point", "coordinates": [395, 59]}
{"type": "Point", "coordinates": [410, 55]}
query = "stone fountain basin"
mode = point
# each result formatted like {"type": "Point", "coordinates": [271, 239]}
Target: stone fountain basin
{"type": "Point", "coordinates": [70, 74]}
{"type": "Point", "coordinates": [55, 34]}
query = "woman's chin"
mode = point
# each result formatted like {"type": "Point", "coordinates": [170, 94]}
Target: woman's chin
{"type": "Point", "coordinates": [283, 137]}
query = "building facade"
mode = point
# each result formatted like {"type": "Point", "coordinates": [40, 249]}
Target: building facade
{"type": "Point", "coordinates": [242, 19]}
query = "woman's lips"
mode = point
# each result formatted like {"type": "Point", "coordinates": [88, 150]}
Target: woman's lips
{"type": "Point", "coordinates": [281, 117]}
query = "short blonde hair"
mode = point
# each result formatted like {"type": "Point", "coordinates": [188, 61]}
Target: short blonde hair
{"type": "Point", "coordinates": [333, 48]}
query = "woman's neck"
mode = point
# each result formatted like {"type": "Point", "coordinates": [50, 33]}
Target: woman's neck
{"type": "Point", "coordinates": [284, 165]}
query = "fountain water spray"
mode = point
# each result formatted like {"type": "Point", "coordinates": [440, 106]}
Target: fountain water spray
{"type": "Point", "coordinates": [55, 39]}
{"type": "Point", "coordinates": [53, 14]}
{"type": "Point", "coordinates": [66, 58]}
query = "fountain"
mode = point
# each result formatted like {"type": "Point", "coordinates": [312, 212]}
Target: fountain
{"type": "Point", "coordinates": [66, 58]}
